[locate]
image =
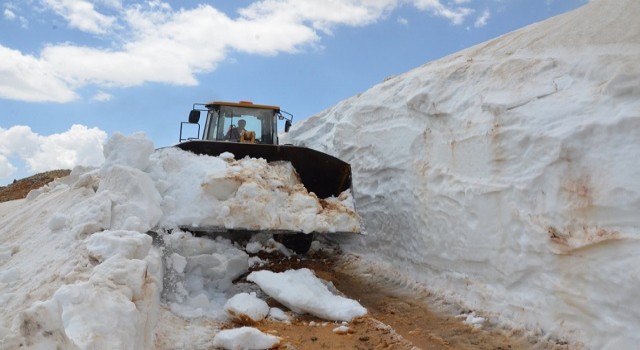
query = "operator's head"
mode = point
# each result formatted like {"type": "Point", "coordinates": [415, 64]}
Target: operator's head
{"type": "Point", "coordinates": [242, 123]}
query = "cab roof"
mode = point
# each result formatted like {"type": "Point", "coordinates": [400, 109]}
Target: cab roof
{"type": "Point", "coordinates": [246, 104]}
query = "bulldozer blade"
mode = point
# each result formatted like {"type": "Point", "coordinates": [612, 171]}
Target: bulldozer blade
{"type": "Point", "coordinates": [319, 172]}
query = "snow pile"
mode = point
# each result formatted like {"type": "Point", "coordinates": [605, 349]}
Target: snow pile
{"type": "Point", "coordinates": [112, 306]}
{"type": "Point", "coordinates": [220, 192]}
{"type": "Point", "coordinates": [199, 275]}
{"type": "Point", "coordinates": [62, 288]}
{"type": "Point", "coordinates": [505, 175]}
{"type": "Point", "coordinates": [79, 270]}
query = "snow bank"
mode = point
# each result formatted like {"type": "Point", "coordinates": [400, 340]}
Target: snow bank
{"type": "Point", "coordinates": [505, 175]}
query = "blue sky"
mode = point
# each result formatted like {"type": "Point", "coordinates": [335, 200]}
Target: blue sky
{"type": "Point", "coordinates": [73, 72]}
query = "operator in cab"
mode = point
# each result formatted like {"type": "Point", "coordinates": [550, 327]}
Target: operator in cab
{"type": "Point", "coordinates": [234, 132]}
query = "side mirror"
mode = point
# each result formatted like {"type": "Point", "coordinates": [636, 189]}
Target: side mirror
{"type": "Point", "coordinates": [194, 116]}
{"type": "Point", "coordinates": [287, 126]}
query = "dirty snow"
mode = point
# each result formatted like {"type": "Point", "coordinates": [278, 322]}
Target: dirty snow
{"type": "Point", "coordinates": [506, 175]}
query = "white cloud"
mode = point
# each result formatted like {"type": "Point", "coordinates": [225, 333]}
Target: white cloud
{"type": "Point", "coordinates": [77, 146]}
{"type": "Point", "coordinates": [321, 15]}
{"type": "Point", "coordinates": [8, 14]}
{"type": "Point", "coordinates": [483, 19]}
{"type": "Point", "coordinates": [151, 42]}
{"type": "Point", "coordinates": [26, 78]}
{"type": "Point", "coordinates": [456, 15]}
{"type": "Point", "coordinates": [6, 168]}
{"type": "Point", "coordinates": [114, 4]}
{"type": "Point", "coordinates": [102, 97]}
{"type": "Point", "coordinates": [403, 21]}
{"type": "Point", "coordinates": [81, 15]}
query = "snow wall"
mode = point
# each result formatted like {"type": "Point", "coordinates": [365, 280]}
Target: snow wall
{"type": "Point", "coordinates": [507, 175]}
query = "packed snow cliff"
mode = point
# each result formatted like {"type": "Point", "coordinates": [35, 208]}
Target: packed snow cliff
{"type": "Point", "coordinates": [506, 175]}
{"type": "Point", "coordinates": [79, 271]}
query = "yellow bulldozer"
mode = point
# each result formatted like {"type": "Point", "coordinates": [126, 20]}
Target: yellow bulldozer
{"type": "Point", "coordinates": [247, 129]}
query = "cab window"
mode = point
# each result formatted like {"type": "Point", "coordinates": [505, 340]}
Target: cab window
{"type": "Point", "coordinates": [222, 119]}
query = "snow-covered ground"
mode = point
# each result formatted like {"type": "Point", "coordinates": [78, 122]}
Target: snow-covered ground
{"type": "Point", "coordinates": [506, 175]}
{"type": "Point", "coordinates": [79, 271]}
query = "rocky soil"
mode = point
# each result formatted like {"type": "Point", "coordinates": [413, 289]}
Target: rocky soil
{"type": "Point", "coordinates": [20, 188]}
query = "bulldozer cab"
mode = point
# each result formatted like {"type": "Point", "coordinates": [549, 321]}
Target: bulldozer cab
{"type": "Point", "coordinates": [239, 122]}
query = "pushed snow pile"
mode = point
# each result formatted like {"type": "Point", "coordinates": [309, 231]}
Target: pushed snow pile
{"type": "Point", "coordinates": [302, 292]}
{"type": "Point", "coordinates": [140, 189]}
{"type": "Point", "coordinates": [78, 269]}
{"type": "Point", "coordinates": [507, 174]}
{"type": "Point", "coordinates": [203, 191]}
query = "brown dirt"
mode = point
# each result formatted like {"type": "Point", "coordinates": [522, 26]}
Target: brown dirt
{"type": "Point", "coordinates": [20, 188]}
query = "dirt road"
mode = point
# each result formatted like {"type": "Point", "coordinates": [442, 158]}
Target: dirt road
{"type": "Point", "coordinates": [398, 318]}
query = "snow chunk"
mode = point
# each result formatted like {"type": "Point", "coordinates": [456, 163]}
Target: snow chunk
{"type": "Point", "coordinates": [89, 216]}
{"type": "Point", "coordinates": [136, 201]}
{"type": "Point", "coordinates": [301, 291]}
{"type": "Point", "coordinates": [177, 262]}
{"type": "Point", "coordinates": [254, 260]}
{"type": "Point", "coordinates": [473, 320]}
{"type": "Point", "coordinates": [244, 338]}
{"type": "Point", "coordinates": [130, 151]}
{"type": "Point", "coordinates": [130, 244]}
{"type": "Point", "coordinates": [278, 314]}
{"type": "Point", "coordinates": [41, 326]}
{"type": "Point", "coordinates": [124, 293]}
{"type": "Point", "coordinates": [117, 324]}
{"type": "Point", "coordinates": [127, 275]}
{"type": "Point", "coordinates": [341, 329]}
{"type": "Point", "coordinates": [244, 305]}
{"type": "Point", "coordinates": [253, 247]}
